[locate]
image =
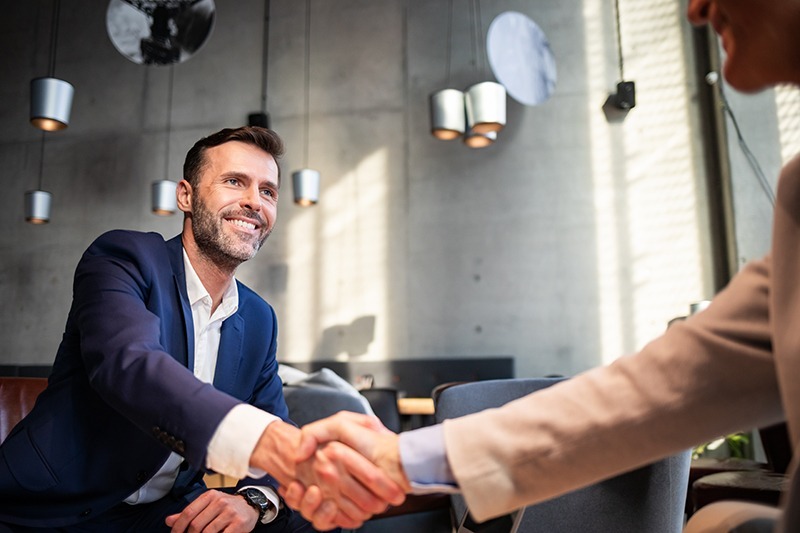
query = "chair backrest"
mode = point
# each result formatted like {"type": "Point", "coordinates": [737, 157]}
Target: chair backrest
{"type": "Point", "coordinates": [307, 404]}
{"type": "Point", "coordinates": [384, 404]}
{"type": "Point", "coordinates": [650, 499]}
{"type": "Point", "coordinates": [17, 396]}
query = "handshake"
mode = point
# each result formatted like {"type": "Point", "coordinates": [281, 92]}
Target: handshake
{"type": "Point", "coordinates": [338, 471]}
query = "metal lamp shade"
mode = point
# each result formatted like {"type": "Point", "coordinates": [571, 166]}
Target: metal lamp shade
{"type": "Point", "coordinates": [486, 107]}
{"type": "Point", "coordinates": [305, 183]}
{"type": "Point", "coordinates": [474, 139]}
{"type": "Point", "coordinates": [51, 103]}
{"type": "Point", "coordinates": [447, 114]}
{"type": "Point", "coordinates": [164, 199]}
{"type": "Point", "coordinates": [37, 207]}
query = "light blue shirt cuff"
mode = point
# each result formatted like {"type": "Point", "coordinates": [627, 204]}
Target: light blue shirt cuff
{"type": "Point", "coordinates": [424, 458]}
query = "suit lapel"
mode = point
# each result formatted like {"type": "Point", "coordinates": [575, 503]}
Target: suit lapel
{"type": "Point", "coordinates": [175, 248]}
{"type": "Point", "coordinates": [230, 354]}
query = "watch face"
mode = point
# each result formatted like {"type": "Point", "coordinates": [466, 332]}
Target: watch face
{"type": "Point", "coordinates": [255, 496]}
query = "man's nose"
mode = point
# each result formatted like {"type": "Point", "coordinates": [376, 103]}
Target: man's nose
{"type": "Point", "coordinates": [251, 198]}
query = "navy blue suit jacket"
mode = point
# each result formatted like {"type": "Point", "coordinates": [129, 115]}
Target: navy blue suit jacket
{"type": "Point", "coordinates": [121, 394]}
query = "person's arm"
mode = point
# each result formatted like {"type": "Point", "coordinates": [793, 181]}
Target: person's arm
{"type": "Point", "coordinates": [710, 375]}
{"type": "Point", "coordinates": [120, 282]}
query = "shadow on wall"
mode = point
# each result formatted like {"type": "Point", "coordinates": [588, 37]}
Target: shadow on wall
{"type": "Point", "coordinates": [352, 339]}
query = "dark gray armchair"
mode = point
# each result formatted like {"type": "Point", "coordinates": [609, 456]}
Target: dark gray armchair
{"type": "Point", "coordinates": [650, 499]}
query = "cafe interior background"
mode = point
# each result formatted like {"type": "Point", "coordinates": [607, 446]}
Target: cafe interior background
{"type": "Point", "coordinates": [592, 219]}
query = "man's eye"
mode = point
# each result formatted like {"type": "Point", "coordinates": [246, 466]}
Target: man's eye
{"type": "Point", "coordinates": [233, 181]}
{"type": "Point", "coordinates": [268, 192]}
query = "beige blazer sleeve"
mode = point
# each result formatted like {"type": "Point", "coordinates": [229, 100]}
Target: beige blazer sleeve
{"type": "Point", "coordinates": [705, 377]}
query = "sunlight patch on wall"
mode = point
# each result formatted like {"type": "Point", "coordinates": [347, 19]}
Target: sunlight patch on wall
{"type": "Point", "coordinates": [787, 102]}
{"type": "Point", "coordinates": [609, 311]}
{"type": "Point", "coordinates": [338, 268]}
{"type": "Point", "coordinates": [650, 256]}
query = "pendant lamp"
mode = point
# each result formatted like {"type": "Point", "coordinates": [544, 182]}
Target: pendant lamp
{"type": "Point", "coordinates": [475, 139]}
{"type": "Point", "coordinates": [447, 114]}
{"type": "Point", "coordinates": [305, 182]}
{"type": "Point", "coordinates": [163, 192]}
{"type": "Point", "coordinates": [37, 207]}
{"type": "Point", "coordinates": [164, 197]}
{"type": "Point", "coordinates": [51, 98]}
{"type": "Point", "coordinates": [485, 103]}
{"type": "Point", "coordinates": [37, 202]}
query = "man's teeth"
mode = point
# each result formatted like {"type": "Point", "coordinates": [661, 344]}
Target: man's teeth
{"type": "Point", "coordinates": [243, 224]}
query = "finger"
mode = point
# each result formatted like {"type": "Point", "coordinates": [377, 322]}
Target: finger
{"type": "Point", "coordinates": [293, 494]}
{"type": "Point", "coordinates": [306, 448]}
{"type": "Point", "coordinates": [190, 512]}
{"type": "Point", "coordinates": [310, 502]}
{"type": "Point", "coordinates": [339, 426]}
{"type": "Point", "coordinates": [323, 519]}
{"type": "Point", "coordinates": [374, 487]}
{"type": "Point", "coordinates": [336, 484]}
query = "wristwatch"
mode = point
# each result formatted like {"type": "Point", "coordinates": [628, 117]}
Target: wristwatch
{"type": "Point", "coordinates": [257, 500]}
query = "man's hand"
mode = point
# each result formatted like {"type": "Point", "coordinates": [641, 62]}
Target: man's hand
{"type": "Point", "coordinates": [215, 511]}
{"type": "Point", "coordinates": [351, 487]}
{"type": "Point", "coordinates": [375, 443]}
{"type": "Point", "coordinates": [279, 450]}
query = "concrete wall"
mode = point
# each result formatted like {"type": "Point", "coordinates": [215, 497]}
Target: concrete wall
{"type": "Point", "coordinates": [572, 240]}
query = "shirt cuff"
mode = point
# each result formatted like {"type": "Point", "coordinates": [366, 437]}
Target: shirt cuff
{"type": "Point", "coordinates": [424, 458]}
{"type": "Point", "coordinates": [235, 439]}
{"type": "Point", "coordinates": [270, 494]}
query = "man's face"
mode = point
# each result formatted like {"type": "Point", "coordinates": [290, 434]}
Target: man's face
{"type": "Point", "coordinates": [234, 206]}
{"type": "Point", "coordinates": [760, 39]}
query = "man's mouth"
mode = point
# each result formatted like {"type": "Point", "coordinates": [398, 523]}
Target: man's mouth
{"type": "Point", "coordinates": [242, 224]}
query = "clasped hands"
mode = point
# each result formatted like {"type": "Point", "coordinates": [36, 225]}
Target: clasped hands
{"type": "Point", "coordinates": [338, 471]}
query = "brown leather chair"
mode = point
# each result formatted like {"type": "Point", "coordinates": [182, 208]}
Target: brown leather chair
{"type": "Point", "coordinates": [17, 396]}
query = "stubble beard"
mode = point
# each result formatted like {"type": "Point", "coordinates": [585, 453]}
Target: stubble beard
{"type": "Point", "coordinates": [223, 249]}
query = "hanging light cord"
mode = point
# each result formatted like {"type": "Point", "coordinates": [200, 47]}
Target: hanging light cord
{"type": "Point", "coordinates": [479, 37]}
{"type": "Point", "coordinates": [265, 55]}
{"type": "Point", "coordinates": [473, 37]}
{"type": "Point", "coordinates": [54, 38]}
{"type": "Point", "coordinates": [619, 39]}
{"type": "Point", "coordinates": [748, 154]}
{"type": "Point", "coordinates": [306, 80]}
{"type": "Point", "coordinates": [169, 119]}
{"type": "Point", "coordinates": [41, 162]}
{"type": "Point", "coordinates": [449, 47]}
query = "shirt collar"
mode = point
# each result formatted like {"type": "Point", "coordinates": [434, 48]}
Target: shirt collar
{"type": "Point", "coordinates": [196, 291]}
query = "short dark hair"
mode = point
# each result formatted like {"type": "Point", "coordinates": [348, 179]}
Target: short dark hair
{"type": "Point", "coordinates": [263, 138]}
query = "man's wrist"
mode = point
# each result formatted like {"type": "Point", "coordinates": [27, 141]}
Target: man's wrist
{"type": "Point", "coordinates": [256, 499]}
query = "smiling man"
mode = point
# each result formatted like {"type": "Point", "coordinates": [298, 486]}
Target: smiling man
{"type": "Point", "coordinates": [167, 368]}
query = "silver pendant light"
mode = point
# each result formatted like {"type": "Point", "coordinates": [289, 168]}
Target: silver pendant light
{"type": "Point", "coordinates": [37, 207]}
{"type": "Point", "coordinates": [486, 107]}
{"type": "Point", "coordinates": [51, 98]}
{"type": "Point", "coordinates": [37, 202]}
{"type": "Point", "coordinates": [165, 201]}
{"type": "Point", "coordinates": [163, 192]}
{"type": "Point", "coordinates": [305, 182]}
{"type": "Point", "coordinates": [447, 114]}
{"type": "Point", "coordinates": [51, 103]}
{"type": "Point", "coordinates": [448, 121]}
{"type": "Point", "coordinates": [475, 139]}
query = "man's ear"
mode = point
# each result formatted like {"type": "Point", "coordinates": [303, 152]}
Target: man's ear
{"type": "Point", "coordinates": [184, 194]}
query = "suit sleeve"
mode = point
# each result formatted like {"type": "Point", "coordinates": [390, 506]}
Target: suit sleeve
{"type": "Point", "coordinates": [707, 376]}
{"type": "Point", "coordinates": [121, 347]}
